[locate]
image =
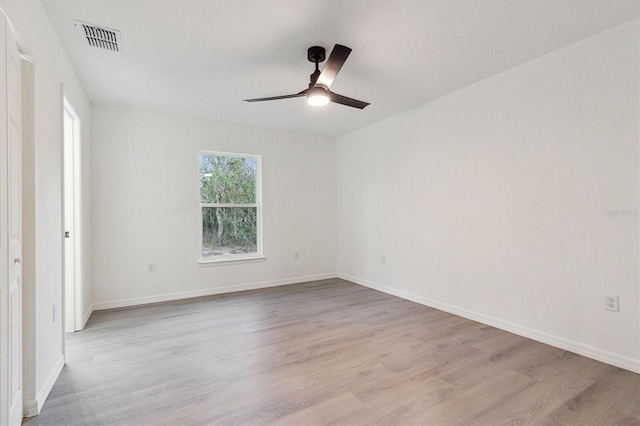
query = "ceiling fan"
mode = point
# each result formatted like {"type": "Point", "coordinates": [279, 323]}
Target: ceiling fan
{"type": "Point", "coordinates": [318, 92]}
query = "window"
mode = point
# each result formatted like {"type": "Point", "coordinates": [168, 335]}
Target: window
{"type": "Point", "coordinates": [230, 205]}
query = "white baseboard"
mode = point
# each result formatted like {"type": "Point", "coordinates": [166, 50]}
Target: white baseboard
{"type": "Point", "coordinates": [560, 342]}
{"type": "Point", "coordinates": [121, 303]}
{"type": "Point", "coordinates": [86, 316]}
{"type": "Point", "coordinates": [33, 407]}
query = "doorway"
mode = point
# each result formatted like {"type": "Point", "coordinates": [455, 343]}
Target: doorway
{"type": "Point", "coordinates": [72, 217]}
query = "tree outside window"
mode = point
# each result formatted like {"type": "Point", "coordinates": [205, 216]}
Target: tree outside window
{"type": "Point", "coordinates": [229, 200]}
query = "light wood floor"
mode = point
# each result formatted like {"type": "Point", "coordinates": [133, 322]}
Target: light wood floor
{"type": "Point", "coordinates": [327, 352]}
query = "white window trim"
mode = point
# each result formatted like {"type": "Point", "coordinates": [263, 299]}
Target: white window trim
{"type": "Point", "coordinates": [229, 259]}
{"type": "Point", "coordinates": [230, 205]}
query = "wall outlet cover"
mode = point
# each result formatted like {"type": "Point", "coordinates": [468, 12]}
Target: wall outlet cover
{"type": "Point", "coordinates": [611, 302]}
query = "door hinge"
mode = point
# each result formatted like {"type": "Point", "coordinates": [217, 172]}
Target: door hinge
{"type": "Point", "coordinates": [66, 234]}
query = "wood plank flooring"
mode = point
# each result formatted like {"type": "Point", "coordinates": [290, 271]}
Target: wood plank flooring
{"type": "Point", "coordinates": [326, 352]}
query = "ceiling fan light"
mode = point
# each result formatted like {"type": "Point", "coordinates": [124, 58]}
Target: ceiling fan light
{"type": "Point", "coordinates": [317, 97]}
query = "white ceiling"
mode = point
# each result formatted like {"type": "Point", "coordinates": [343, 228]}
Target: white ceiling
{"type": "Point", "coordinates": [201, 58]}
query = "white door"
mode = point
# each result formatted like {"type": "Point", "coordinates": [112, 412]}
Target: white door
{"type": "Point", "coordinates": [69, 220]}
{"type": "Point", "coordinates": [73, 238]}
{"type": "Point", "coordinates": [10, 229]}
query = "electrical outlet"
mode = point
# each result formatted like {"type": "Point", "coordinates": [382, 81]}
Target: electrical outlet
{"type": "Point", "coordinates": [151, 267]}
{"type": "Point", "coordinates": [296, 255]}
{"type": "Point", "coordinates": [611, 303]}
{"type": "Point", "coordinates": [383, 260]}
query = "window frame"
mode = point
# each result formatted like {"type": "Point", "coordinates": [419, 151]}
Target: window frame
{"type": "Point", "coordinates": [239, 257]}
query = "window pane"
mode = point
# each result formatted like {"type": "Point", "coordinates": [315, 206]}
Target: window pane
{"type": "Point", "coordinates": [225, 180]}
{"type": "Point", "coordinates": [229, 230]}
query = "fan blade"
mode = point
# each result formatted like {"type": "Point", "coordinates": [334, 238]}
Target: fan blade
{"type": "Point", "coordinates": [275, 98]}
{"type": "Point", "coordinates": [336, 60]}
{"type": "Point", "coordinates": [339, 99]}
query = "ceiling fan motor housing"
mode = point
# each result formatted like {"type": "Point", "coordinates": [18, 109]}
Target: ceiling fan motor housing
{"type": "Point", "coordinates": [316, 54]}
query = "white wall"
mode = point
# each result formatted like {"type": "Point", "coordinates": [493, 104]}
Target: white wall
{"type": "Point", "coordinates": [491, 202]}
{"type": "Point", "coordinates": [42, 197]}
{"type": "Point", "coordinates": [146, 206]}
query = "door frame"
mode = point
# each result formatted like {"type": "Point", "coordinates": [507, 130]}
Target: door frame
{"type": "Point", "coordinates": [11, 231]}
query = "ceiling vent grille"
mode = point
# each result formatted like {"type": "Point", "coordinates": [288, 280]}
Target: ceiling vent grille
{"type": "Point", "coordinates": [100, 37]}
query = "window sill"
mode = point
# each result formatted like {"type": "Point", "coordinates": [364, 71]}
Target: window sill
{"type": "Point", "coordinates": [230, 261]}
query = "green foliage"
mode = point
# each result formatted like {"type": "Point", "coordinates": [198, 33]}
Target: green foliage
{"type": "Point", "coordinates": [225, 180]}
{"type": "Point", "coordinates": [228, 180]}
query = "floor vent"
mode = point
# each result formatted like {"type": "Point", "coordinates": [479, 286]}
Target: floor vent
{"type": "Point", "coordinates": [100, 37]}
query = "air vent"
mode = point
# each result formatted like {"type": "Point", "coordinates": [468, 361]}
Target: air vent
{"type": "Point", "coordinates": [100, 37]}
